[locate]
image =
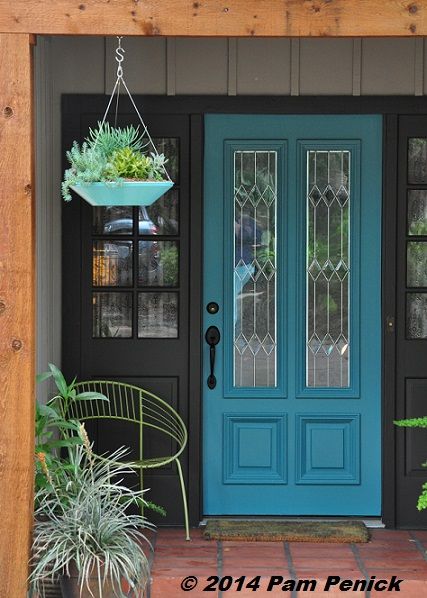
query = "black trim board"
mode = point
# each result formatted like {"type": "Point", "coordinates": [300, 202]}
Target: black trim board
{"type": "Point", "coordinates": [389, 265]}
{"type": "Point", "coordinates": [253, 104]}
{"type": "Point", "coordinates": [196, 106]}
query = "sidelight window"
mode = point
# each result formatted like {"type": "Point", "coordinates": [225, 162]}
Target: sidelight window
{"type": "Point", "coordinates": [328, 198]}
{"type": "Point", "coordinates": [254, 268]}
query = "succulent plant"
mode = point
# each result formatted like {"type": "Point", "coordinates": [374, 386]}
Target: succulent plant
{"type": "Point", "coordinates": [111, 154]}
{"type": "Point", "coordinates": [110, 139]}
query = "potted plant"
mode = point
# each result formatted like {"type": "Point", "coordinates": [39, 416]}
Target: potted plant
{"type": "Point", "coordinates": [54, 435]}
{"type": "Point", "coordinates": [111, 168]}
{"type": "Point", "coordinates": [83, 531]}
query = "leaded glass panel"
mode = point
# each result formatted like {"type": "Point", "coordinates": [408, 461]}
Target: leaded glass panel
{"type": "Point", "coordinates": [328, 269]}
{"type": "Point", "coordinates": [254, 275]}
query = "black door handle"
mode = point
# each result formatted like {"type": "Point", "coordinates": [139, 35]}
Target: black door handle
{"type": "Point", "coordinates": [212, 337]}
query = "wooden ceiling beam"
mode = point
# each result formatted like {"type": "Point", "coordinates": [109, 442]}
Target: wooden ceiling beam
{"type": "Point", "coordinates": [216, 18]}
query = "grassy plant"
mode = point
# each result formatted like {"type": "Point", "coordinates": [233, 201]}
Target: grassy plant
{"type": "Point", "coordinates": [417, 422]}
{"type": "Point", "coordinates": [110, 139]}
{"type": "Point", "coordinates": [92, 531]}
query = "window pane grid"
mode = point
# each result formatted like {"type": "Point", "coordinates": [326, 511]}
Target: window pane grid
{"type": "Point", "coordinates": [135, 250]}
{"type": "Point", "coordinates": [416, 240]}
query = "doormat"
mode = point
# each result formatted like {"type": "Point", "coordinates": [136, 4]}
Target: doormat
{"type": "Point", "coordinates": [339, 532]}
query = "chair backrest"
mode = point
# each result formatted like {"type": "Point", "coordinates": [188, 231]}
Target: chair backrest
{"type": "Point", "coordinates": [133, 405]}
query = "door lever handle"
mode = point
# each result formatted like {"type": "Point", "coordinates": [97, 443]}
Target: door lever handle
{"type": "Point", "coordinates": [212, 337]}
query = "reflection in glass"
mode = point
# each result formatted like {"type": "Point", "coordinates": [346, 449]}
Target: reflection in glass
{"type": "Point", "coordinates": [158, 263]}
{"type": "Point", "coordinates": [416, 315]}
{"type": "Point", "coordinates": [328, 269]}
{"type": "Point", "coordinates": [112, 315]}
{"type": "Point", "coordinates": [417, 264]}
{"type": "Point", "coordinates": [161, 218]}
{"type": "Point", "coordinates": [112, 263]}
{"type": "Point", "coordinates": [417, 212]}
{"type": "Point", "coordinates": [146, 225]}
{"type": "Point", "coordinates": [254, 298]}
{"type": "Point", "coordinates": [112, 220]}
{"type": "Point", "coordinates": [158, 315]}
{"type": "Point", "coordinates": [417, 160]}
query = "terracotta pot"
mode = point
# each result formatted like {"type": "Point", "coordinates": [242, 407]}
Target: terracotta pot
{"type": "Point", "coordinates": [70, 587]}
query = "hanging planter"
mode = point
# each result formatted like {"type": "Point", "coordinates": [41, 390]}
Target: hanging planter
{"type": "Point", "coordinates": [127, 193]}
{"type": "Point", "coordinates": [117, 166]}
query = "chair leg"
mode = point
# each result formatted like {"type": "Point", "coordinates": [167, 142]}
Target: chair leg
{"type": "Point", "coordinates": [141, 487]}
{"type": "Point", "coordinates": [184, 500]}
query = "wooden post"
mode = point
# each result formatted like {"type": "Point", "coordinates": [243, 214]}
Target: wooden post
{"type": "Point", "coordinates": [17, 311]}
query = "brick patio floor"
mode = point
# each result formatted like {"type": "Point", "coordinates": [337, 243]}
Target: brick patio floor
{"type": "Point", "coordinates": [398, 553]}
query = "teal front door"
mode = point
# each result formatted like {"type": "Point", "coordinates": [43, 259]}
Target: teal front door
{"type": "Point", "coordinates": [292, 411]}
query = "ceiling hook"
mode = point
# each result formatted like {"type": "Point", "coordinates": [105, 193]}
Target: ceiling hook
{"type": "Point", "coordinates": [120, 55]}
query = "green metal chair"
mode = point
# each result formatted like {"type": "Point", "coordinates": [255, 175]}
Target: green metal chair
{"type": "Point", "coordinates": [136, 406]}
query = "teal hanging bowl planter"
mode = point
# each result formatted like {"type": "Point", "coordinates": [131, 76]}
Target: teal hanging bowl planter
{"type": "Point", "coordinates": [123, 193]}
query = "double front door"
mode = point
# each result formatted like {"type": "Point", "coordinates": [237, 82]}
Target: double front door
{"type": "Point", "coordinates": [292, 301]}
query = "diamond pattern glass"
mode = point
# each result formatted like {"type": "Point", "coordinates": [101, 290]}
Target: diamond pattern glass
{"type": "Point", "coordinates": [254, 298]}
{"type": "Point", "coordinates": [328, 269]}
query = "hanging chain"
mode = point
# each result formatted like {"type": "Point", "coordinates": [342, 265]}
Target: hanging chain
{"type": "Point", "coordinates": [120, 54]}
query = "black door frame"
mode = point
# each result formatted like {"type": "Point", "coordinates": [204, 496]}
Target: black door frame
{"type": "Point", "coordinates": [196, 107]}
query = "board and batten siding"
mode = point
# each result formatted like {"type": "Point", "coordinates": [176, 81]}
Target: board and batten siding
{"type": "Point", "coordinates": [191, 66]}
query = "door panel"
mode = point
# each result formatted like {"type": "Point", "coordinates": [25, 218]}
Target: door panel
{"type": "Point", "coordinates": [411, 316]}
{"type": "Point", "coordinates": [292, 257]}
{"type": "Point", "coordinates": [127, 300]}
